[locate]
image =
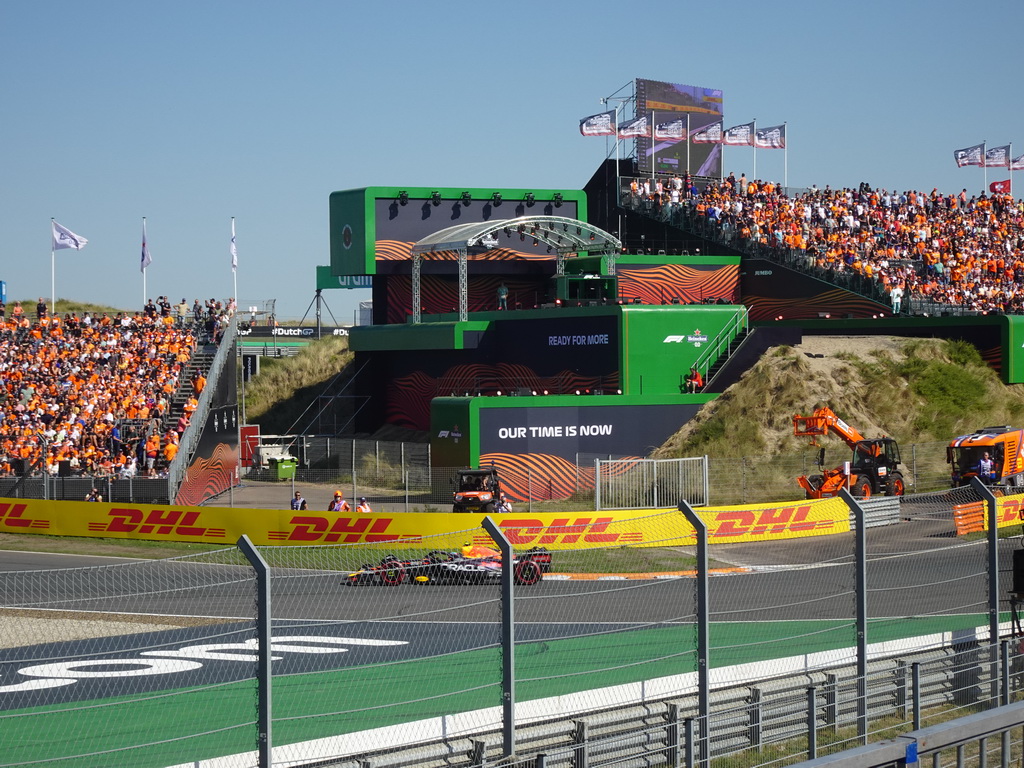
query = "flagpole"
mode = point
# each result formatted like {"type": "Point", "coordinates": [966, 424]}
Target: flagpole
{"type": "Point", "coordinates": [687, 143]}
{"type": "Point", "coordinates": [1009, 166]}
{"type": "Point", "coordinates": [234, 264]}
{"type": "Point", "coordinates": [53, 268]}
{"type": "Point", "coordinates": [753, 143]}
{"type": "Point", "coordinates": [984, 166]}
{"type": "Point", "coordinates": [143, 263]}
{"type": "Point", "coordinates": [785, 157]}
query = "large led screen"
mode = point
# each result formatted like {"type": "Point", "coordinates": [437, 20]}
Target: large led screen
{"type": "Point", "coordinates": [666, 101]}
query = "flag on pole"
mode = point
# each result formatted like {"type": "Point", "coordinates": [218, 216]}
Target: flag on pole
{"type": "Point", "coordinates": [1017, 164]}
{"type": "Point", "coordinates": [998, 157]}
{"type": "Point", "coordinates": [146, 258]}
{"type": "Point", "coordinates": [999, 187]}
{"type": "Point", "coordinates": [770, 138]}
{"type": "Point", "coordinates": [65, 238]}
{"type": "Point", "coordinates": [637, 128]}
{"type": "Point", "coordinates": [234, 249]}
{"type": "Point", "coordinates": [673, 129]}
{"type": "Point", "coordinates": [709, 134]}
{"type": "Point", "coordinates": [602, 124]}
{"type": "Point", "coordinates": [739, 136]}
{"type": "Point", "coordinates": [970, 156]}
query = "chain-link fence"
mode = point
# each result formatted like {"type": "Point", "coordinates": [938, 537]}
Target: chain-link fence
{"type": "Point", "coordinates": [410, 652]}
{"type": "Point", "coordinates": [132, 664]}
{"type": "Point", "coordinates": [399, 476]}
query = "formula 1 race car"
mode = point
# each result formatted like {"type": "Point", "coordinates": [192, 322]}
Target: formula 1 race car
{"type": "Point", "coordinates": [474, 565]}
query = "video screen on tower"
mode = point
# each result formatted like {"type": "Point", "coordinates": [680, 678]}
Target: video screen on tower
{"type": "Point", "coordinates": [666, 102]}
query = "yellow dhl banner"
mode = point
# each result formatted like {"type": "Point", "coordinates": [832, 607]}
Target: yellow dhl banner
{"type": "Point", "coordinates": [408, 530]}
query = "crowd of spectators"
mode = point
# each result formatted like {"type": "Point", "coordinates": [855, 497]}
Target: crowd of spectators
{"type": "Point", "coordinates": [953, 249]}
{"type": "Point", "coordinates": [91, 394]}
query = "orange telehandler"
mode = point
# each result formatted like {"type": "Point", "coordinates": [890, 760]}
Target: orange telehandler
{"type": "Point", "coordinates": [874, 468]}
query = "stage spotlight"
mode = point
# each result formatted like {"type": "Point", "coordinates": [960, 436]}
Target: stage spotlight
{"type": "Point", "coordinates": [536, 241]}
{"type": "Point", "coordinates": [496, 198]}
{"type": "Point", "coordinates": [403, 198]}
{"type": "Point", "coordinates": [507, 231]}
{"type": "Point", "coordinates": [549, 249]}
{"type": "Point", "coordinates": [530, 199]}
{"type": "Point", "coordinates": [435, 198]}
{"type": "Point", "coordinates": [466, 198]}
{"type": "Point", "coordinates": [579, 231]}
{"type": "Point", "coordinates": [558, 199]}
{"type": "Point", "coordinates": [578, 392]}
{"type": "Point", "coordinates": [522, 237]}
{"type": "Point", "coordinates": [499, 393]}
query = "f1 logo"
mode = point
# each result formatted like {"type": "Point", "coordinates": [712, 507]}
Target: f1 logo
{"type": "Point", "coordinates": [677, 339]}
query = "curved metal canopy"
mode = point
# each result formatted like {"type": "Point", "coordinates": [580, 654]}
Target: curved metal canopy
{"type": "Point", "coordinates": [564, 235]}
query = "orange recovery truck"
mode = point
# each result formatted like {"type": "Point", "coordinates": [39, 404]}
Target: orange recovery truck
{"type": "Point", "coordinates": [873, 468]}
{"type": "Point", "coordinates": [1002, 444]}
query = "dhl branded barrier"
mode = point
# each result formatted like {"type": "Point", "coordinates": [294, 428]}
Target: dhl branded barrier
{"type": "Point", "coordinates": [972, 518]}
{"type": "Point", "coordinates": [219, 525]}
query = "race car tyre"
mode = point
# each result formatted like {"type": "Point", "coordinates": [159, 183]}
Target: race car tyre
{"type": "Point", "coordinates": [392, 576]}
{"type": "Point", "coordinates": [527, 573]}
{"type": "Point", "coordinates": [895, 486]}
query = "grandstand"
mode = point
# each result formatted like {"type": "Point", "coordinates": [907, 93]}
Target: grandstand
{"type": "Point", "coordinates": [97, 399]}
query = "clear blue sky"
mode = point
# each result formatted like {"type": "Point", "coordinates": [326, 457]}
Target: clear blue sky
{"type": "Point", "coordinates": [189, 113]}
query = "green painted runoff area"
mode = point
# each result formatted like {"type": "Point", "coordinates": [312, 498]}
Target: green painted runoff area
{"type": "Point", "coordinates": [315, 705]}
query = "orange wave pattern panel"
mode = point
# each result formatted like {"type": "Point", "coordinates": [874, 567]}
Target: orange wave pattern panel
{"type": "Point", "coordinates": [442, 295]}
{"type": "Point", "coordinates": [207, 477]}
{"type": "Point", "coordinates": [398, 250]}
{"type": "Point", "coordinates": [837, 303]}
{"type": "Point", "coordinates": [408, 397]}
{"type": "Point", "coordinates": [541, 476]}
{"type": "Point", "coordinates": [661, 284]}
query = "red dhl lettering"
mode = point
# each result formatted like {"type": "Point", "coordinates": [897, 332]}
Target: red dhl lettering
{"type": "Point", "coordinates": [158, 521]}
{"type": "Point", "coordinates": [1009, 511]}
{"type": "Point", "coordinates": [530, 531]}
{"type": "Point", "coordinates": [11, 514]}
{"type": "Point", "coordinates": [347, 529]}
{"type": "Point", "coordinates": [775, 520]}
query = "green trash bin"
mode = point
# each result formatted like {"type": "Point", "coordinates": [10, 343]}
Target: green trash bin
{"type": "Point", "coordinates": [283, 468]}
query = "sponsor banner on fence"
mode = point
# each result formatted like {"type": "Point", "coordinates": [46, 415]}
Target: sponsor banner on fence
{"type": "Point", "coordinates": [406, 530]}
{"type": "Point", "coordinates": [972, 517]}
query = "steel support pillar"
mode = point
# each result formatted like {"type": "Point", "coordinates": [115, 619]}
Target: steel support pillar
{"type": "Point", "coordinates": [463, 285]}
{"type": "Point", "coordinates": [417, 308]}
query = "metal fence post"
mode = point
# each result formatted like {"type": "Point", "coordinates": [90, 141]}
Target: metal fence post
{"type": "Point", "coordinates": [913, 463]}
{"type": "Point", "coordinates": [688, 754]}
{"type": "Point", "coordinates": [915, 679]}
{"type": "Point", "coordinates": [812, 722]}
{"type": "Point", "coordinates": [672, 737]}
{"type": "Point", "coordinates": [992, 522]}
{"type": "Point", "coordinates": [597, 485]}
{"type": "Point", "coordinates": [703, 627]}
{"type": "Point", "coordinates": [860, 538]}
{"type": "Point", "coordinates": [406, 476]}
{"type": "Point", "coordinates": [508, 637]}
{"type": "Point", "coordinates": [263, 651]}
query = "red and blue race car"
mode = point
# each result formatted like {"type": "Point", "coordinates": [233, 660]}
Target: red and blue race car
{"type": "Point", "coordinates": [472, 565]}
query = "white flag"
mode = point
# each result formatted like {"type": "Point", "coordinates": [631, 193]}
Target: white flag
{"type": "Point", "coordinates": [65, 238]}
{"type": "Point", "coordinates": [146, 258]}
{"type": "Point", "coordinates": [234, 249]}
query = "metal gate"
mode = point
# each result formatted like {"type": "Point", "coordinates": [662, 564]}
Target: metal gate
{"type": "Point", "coordinates": [650, 483]}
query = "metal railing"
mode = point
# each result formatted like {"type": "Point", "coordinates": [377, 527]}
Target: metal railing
{"type": "Point", "coordinates": [191, 436]}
